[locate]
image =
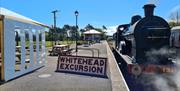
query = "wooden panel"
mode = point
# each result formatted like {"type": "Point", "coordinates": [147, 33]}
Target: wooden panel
{"type": "Point", "coordinates": [0, 32]}
{"type": "Point", "coordinates": [1, 48]}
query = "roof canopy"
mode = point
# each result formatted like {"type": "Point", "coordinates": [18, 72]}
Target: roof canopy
{"type": "Point", "coordinates": [92, 32]}
{"type": "Point", "coordinates": [176, 27]}
{"type": "Point", "coordinates": [14, 16]}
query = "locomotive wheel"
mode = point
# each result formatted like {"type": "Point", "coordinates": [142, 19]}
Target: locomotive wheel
{"type": "Point", "coordinates": [136, 70]}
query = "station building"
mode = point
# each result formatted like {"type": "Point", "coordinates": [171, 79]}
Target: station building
{"type": "Point", "coordinates": [22, 45]}
{"type": "Point", "coordinates": [92, 35]}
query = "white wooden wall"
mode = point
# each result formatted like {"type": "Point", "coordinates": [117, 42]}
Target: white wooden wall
{"type": "Point", "coordinates": [10, 46]}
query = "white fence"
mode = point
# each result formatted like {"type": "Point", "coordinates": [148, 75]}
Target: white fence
{"type": "Point", "coordinates": [29, 54]}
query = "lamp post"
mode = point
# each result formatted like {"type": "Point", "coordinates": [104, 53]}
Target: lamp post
{"type": "Point", "coordinates": [76, 14]}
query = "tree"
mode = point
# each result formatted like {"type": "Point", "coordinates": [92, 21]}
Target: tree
{"type": "Point", "coordinates": [73, 31]}
{"type": "Point", "coordinates": [89, 27]}
{"type": "Point", "coordinates": [173, 24]}
{"type": "Point", "coordinates": [104, 27]}
{"type": "Point", "coordinates": [50, 34]}
{"type": "Point", "coordinates": [175, 17]}
{"type": "Point", "coordinates": [17, 38]}
{"type": "Point", "coordinates": [81, 31]}
{"type": "Point", "coordinates": [66, 27]}
{"type": "Point", "coordinates": [47, 36]}
{"type": "Point", "coordinates": [103, 33]}
{"type": "Point", "coordinates": [62, 33]}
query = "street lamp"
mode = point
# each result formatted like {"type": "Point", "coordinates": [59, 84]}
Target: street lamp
{"type": "Point", "coordinates": [76, 14]}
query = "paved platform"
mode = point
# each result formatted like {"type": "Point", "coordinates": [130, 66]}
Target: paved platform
{"type": "Point", "coordinates": [46, 79]}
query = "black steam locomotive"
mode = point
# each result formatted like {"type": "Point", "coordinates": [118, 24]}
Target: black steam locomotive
{"type": "Point", "coordinates": [145, 40]}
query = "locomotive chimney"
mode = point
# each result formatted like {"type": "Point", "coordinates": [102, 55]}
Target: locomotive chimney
{"type": "Point", "coordinates": [149, 10]}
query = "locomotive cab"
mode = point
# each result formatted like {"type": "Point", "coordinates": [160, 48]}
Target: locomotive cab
{"type": "Point", "coordinates": [119, 36]}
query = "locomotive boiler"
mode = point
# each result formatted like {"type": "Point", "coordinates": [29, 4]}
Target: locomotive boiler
{"type": "Point", "coordinates": [145, 40]}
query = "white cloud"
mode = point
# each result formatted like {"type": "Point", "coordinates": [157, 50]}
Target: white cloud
{"type": "Point", "coordinates": [152, 2]}
{"type": "Point", "coordinates": [111, 30]}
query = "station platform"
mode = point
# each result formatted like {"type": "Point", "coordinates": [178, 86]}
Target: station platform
{"type": "Point", "coordinates": [46, 79]}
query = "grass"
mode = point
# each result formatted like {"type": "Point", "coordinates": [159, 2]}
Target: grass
{"type": "Point", "coordinates": [51, 43]}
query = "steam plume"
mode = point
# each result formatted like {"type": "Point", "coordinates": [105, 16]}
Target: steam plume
{"type": "Point", "coordinates": [152, 2]}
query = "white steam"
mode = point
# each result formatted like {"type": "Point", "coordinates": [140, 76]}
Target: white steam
{"type": "Point", "coordinates": [165, 82]}
{"type": "Point", "coordinates": [162, 51]}
{"type": "Point", "coordinates": [152, 2]}
{"type": "Point", "coordinates": [154, 56]}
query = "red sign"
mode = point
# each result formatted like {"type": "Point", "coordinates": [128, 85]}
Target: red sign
{"type": "Point", "coordinates": [138, 69]}
{"type": "Point", "coordinates": [93, 66]}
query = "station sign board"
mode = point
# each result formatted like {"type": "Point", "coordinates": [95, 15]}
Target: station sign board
{"type": "Point", "coordinates": [92, 66]}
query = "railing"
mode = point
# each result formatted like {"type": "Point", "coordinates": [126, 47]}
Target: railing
{"type": "Point", "coordinates": [90, 49]}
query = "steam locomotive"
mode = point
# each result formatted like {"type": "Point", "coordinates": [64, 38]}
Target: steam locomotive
{"type": "Point", "coordinates": [146, 41]}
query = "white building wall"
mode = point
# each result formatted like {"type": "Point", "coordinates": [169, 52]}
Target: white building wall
{"type": "Point", "coordinates": [10, 48]}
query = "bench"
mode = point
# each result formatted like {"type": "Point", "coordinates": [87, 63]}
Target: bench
{"type": "Point", "coordinates": [54, 52]}
{"type": "Point", "coordinates": [59, 50]}
{"type": "Point", "coordinates": [26, 61]}
{"type": "Point", "coordinates": [67, 52]}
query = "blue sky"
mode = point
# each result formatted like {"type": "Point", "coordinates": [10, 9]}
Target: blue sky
{"type": "Point", "coordinates": [95, 12]}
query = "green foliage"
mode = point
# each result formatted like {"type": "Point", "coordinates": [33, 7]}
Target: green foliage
{"type": "Point", "coordinates": [104, 27]}
{"type": "Point", "coordinates": [103, 35]}
{"type": "Point", "coordinates": [173, 24]}
{"type": "Point", "coordinates": [65, 42]}
{"type": "Point", "coordinates": [61, 33]}
{"type": "Point", "coordinates": [68, 32]}
{"type": "Point", "coordinates": [175, 18]}
{"type": "Point", "coordinates": [89, 27]}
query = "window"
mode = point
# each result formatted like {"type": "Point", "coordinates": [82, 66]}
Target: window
{"type": "Point", "coordinates": [179, 36]}
{"type": "Point", "coordinates": [27, 49]}
{"type": "Point", "coordinates": [18, 49]}
{"type": "Point", "coordinates": [40, 46]}
{"type": "Point", "coordinates": [34, 45]}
